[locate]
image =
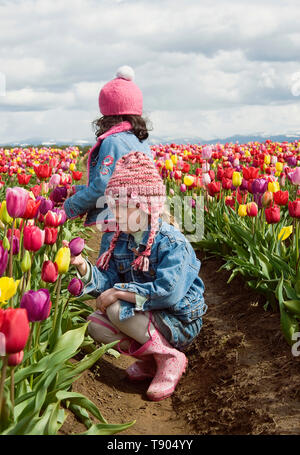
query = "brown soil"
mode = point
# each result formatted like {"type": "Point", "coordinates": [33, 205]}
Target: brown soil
{"type": "Point", "coordinates": [241, 379]}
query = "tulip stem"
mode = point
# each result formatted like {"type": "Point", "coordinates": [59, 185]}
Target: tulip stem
{"type": "Point", "coordinates": [3, 376]}
{"type": "Point", "coordinates": [56, 301]}
{"type": "Point", "coordinates": [12, 386]}
{"type": "Point", "coordinates": [297, 245]}
{"type": "Point", "coordinates": [21, 240]}
{"type": "Point", "coordinates": [10, 269]}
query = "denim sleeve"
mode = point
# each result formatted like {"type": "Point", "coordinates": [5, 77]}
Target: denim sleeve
{"type": "Point", "coordinates": [173, 279]}
{"type": "Point", "coordinates": [78, 187]}
{"type": "Point", "coordinates": [100, 280]}
{"type": "Point", "coordinates": [87, 197]}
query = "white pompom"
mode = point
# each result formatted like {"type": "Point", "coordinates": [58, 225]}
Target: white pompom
{"type": "Point", "coordinates": [125, 72]}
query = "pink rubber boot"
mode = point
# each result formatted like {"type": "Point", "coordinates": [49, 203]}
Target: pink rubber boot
{"type": "Point", "coordinates": [170, 362]}
{"type": "Point", "coordinates": [142, 369]}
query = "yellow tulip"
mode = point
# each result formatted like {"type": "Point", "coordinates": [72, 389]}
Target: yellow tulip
{"type": "Point", "coordinates": [62, 260]}
{"type": "Point", "coordinates": [8, 288]}
{"type": "Point", "coordinates": [4, 216]}
{"type": "Point", "coordinates": [247, 153]}
{"type": "Point", "coordinates": [72, 167]}
{"type": "Point", "coordinates": [285, 232]}
{"type": "Point", "coordinates": [236, 179]}
{"type": "Point", "coordinates": [169, 165]}
{"type": "Point", "coordinates": [185, 152]}
{"type": "Point", "coordinates": [273, 187]}
{"type": "Point", "coordinates": [279, 166]}
{"type": "Point", "coordinates": [267, 159]}
{"type": "Point", "coordinates": [188, 180]}
{"type": "Point", "coordinates": [174, 159]}
{"type": "Point", "coordinates": [242, 211]}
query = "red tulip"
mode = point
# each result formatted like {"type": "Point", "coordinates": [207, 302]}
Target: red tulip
{"type": "Point", "coordinates": [250, 173]}
{"type": "Point", "coordinates": [50, 235]}
{"type": "Point", "coordinates": [281, 197]}
{"type": "Point", "coordinates": [76, 175]}
{"type": "Point", "coordinates": [294, 208]}
{"type": "Point", "coordinates": [272, 214]}
{"type": "Point", "coordinates": [226, 183]}
{"type": "Point", "coordinates": [34, 238]}
{"type": "Point", "coordinates": [15, 327]}
{"type": "Point", "coordinates": [251, 209]}
{"type": "Point", "coordinates": [43, 171]}
{"type": "Point", "coordinates": [213, 188]}
{"type": "Point", "coordinates": [31, 209]}
{"type": "Point", "coordinates": [267, 199]}
{"type": "Point", "coordinates": [228, 173]}
{"type": "Point", "coordinates": [177, 175]}
{"type": "Point", "coordinates": [23, 179]}
{"type": "Point", "coordinates": [15, 359]}
{"type": "Point", "coordinates": [49, 272]}
{"type": "Point", "coordinates": [52, 219]}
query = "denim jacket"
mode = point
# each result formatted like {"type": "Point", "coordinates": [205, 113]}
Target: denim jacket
{"type": "Point", "coordinates": [100, 167]}
{"type": "Point", "coordinates": [172, 289]}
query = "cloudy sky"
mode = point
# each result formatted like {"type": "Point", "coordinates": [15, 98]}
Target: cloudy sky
{"type": "Point", "coordinates": [207, 68]}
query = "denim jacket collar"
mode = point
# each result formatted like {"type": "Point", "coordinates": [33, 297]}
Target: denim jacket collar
{"type": "Point", "coordinates": [131, 241]}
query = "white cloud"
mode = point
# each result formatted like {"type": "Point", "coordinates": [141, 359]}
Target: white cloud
{"type": "Point", "coordinates": [206, 67]}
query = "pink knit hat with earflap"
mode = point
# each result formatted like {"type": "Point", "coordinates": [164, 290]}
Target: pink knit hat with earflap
{"type": "Point", "coordinates": [121, 96]}
{"type": "Point", "coordinates": [136, 180]}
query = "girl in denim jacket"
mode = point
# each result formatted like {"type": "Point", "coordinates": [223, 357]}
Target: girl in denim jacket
{"type": "Point", "coordinates": [150, 296]}
{"type": "Point", "coordinates": [120, 130]}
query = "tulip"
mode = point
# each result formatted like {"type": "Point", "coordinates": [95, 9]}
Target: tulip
{"type": "Point", "coordinates": [188, 180]}
{"type": "Point", "coordinates": [75, 286]}
{"type": "Point", "coordinates": [251, 209]}
{"type": "Point", "coordinates": [3, 260]}
{"type": "Point", "coordinates": [15, 359]}
{"type": "Point", "coordinates": [54, 180]}
{"type": "Point", "coordinates": [242, 210]}
{"type": "Point", "coordinates": [281, 197]}
{"type": "Point", "coordinates": [206, 178]}
{"type": "Point", "coordinates": [177, 175]}
{"type": "Point", "coordinates": [279, 166]}
{"type": "Point", "coordinates": [236, 179]}
{"type": "Point", "coordinates": [295, 176]}
{"type": "Point", "coordinates": [250, 173]}
{"type": "Point", "coordinates": [59, 194]}
{"type": "Point", "coordinates": [15, 243]}
{"type": "Point", "coordinates": [16, 201]}
{"type": "Point", "coordinates": [62, 260]}
{"type": "Point", "coordinates": [272, 215]}
{"type": "Point", "coordinates": [72, 167]}
{"type": "Point", "coordinates": [230, 201]}
{"type": "Point", "coordinates": [267, 199]}
{"type": "Point", "coordinates": [213, 188]}
{"type": "Point", "coordinates": [50, 235]}
{"type": "Point", "coordinates": [15, 327]}
{"type": "Point", "coordinates": [294, 208]}
{"type": "Point", "coordinates": [37, 304]}
{"type": "Point", "coordinates": [267, 159]}
{"type": "Point", "coordinates": [259, 186]}
{"type": "Point", "coordinates": [76, 246]}
{"type": "Point", "coordinates": [26, 262]}
{"type": "Point", "coordinates": [285, 232]}
{"type": "Point", "coordinates": [52, 219]}
{"type": "Point", "coordinates": [273, 186]}
{"type": "Point", "coordinates": [49, 272]}
{"type": "Point", "coordinates": [78, 175]}
{"type": "Point", "coordinates": [291, 161]}
{"type": "Point", "coordinates": [43, 171]}
{"type": "Point", "coordinates": [36, 190]}
{"type": "Point", "coordinates": [183, 188]}
{"type": "Point", "coordinates": [46, 205]}
{"type": "Point", "coordinates": [206, 152]}
{"type": "Point", "coordinates": [23, 179]}
{"type": "Point", "coordinates": [4, 216]}
{"type": "Point", "coordinates": [8, 288]}
{"type": "Point", "coordinates": [31, 209]}
{"type": "Point", "coordinates": [169, 165]}
{"type": "Point", "coordinates": [34, 238]}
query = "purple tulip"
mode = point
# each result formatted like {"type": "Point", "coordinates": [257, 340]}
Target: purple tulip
{"type": "Point", "coordinates": [259, 186]}
{"type": "Point", "coordinates": [3, 260]}
{"type": "Point", "coordinates": [16, 243]}
{"type": "Point", "coordinates": [16, 201]}
{"type": "Point", "coordinates": [295, 176]}
{"type": "Point", "coordinates": [244, 185]}
{"type": "Point", "coordinates": [183, 188]}
{"type": "Point", "coordinates": [76, 246]}
{"type": "Point", "coordinates": [292, 161]}
{"type": "Point", "coordinates": [45, 206]}
{"type": "Point", "coordinates": [37, 304]}
{"type": "Point", "coordinates": [75, 286]}
{"type": "Point", "coordinates": [59, 194]}
{"type": "Point", "coordinates": [257, 199]}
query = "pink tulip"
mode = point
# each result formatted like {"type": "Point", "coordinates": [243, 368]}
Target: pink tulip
{"type": "Point", "coordinates": [206, 152]}
{"type": "Point", "coordinates": [16, 201]}
{"type": "Point", "coordinates": [34, 238]}
{"type": "Point", "coordinates": [295, 176]}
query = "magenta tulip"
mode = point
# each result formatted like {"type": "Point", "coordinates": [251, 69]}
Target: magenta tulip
{"type": "Point", "coordinates": [76, 246]}
{"type": "Point", "coordinates": [34, 238]}
{"type": "Point", "coordinates": [295, 176]}
{"type": "Point", "coordinates": [16, 201]}
{"type": "Point", "coordinates": [37, 304]}
{"type": "Point", "coordinates": [75, 286]}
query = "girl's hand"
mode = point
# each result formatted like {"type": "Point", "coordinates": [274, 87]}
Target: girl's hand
{"type": "Point", "coordinates": [106, 299]}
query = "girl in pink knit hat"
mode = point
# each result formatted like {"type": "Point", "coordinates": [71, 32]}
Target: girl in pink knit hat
{"type": "Point", "coordinates": [149, 294]}
{"type": "Point", "coordinates": [120, 129]}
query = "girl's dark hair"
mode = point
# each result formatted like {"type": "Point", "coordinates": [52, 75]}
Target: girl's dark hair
{"type": "Point", "coordinates": [140, 126]}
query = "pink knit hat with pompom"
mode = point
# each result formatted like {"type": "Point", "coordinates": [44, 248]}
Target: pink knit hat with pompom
{"type": "Point", "coordinates": [121, 96]}
{"type": "Point", "coordinates": [136, 180]}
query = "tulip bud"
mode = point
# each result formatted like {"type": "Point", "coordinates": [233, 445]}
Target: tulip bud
{"type": "Point", "coordinates": [6, 243]}
{"type": "Point", "coordinates": [49, 272]}
{"type": "Point", "coordinates": [75, 286]}
{"type": "Point", "coordinates": [226, 217]}
{"type": "Point", "coordinates": [15, 327]}
{"type": "Point", "coordinates": [76, 246]}
{"type": "Point", "coordinates": [251, 209]}
{"type": "Point", "coordinates": [26, 262]}
{"type": "Point", "coordinates": [37, 304]}
{"type": "Point", "coordinates": [62, 260]}
{"type": "Point", "coordinates": [183, 188]}
{"type": "Point", "coordinates": [242, 210]}
{"type": "Point", "coordinates": [15, 359]}
{"type": "Point", "coordinates": [4, 216]}
{"type": "Point", "coordinates": [267, 199]}
{"type": "Point", "coordinates": [236, 179]}
{"type": "Point", "coordinates": [188, 180]}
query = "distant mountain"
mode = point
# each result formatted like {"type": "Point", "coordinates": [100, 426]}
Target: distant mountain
{"type": "Point", "coordinates": [241, 139]}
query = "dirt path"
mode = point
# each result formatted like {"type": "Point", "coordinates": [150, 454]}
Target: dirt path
{"type": "Point", "coordinates": [242, 377]}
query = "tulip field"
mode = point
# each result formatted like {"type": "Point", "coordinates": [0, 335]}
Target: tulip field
{"type": "Point", "coordinates": [42, 322]}
{"type": "Point", "coordinates": [251, 196]}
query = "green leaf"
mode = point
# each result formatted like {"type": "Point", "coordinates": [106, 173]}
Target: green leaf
{"type": "Point", "coordinates": [293, 306]}
{"type": "Point", "coordinates": [102, 429]}
{"type": "Point", "coordinates": [81, 400]}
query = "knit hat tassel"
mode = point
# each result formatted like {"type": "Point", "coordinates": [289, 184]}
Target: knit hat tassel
{"type": "Point", "coordinates": [103, 260]}
{"type": "Point", "coordinates": [141, 263]}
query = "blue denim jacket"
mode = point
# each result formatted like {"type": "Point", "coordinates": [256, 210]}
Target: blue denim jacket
{"type": "Point", "coordinates": [172, 287]}
{"type": "Point", "coordinates": [100, 168]}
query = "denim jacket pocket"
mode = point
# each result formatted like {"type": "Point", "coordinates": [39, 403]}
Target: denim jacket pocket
{"type": "Point", "coordinates": [123, 265]}
{"type": "Point", "coordinates": [191, 307]}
